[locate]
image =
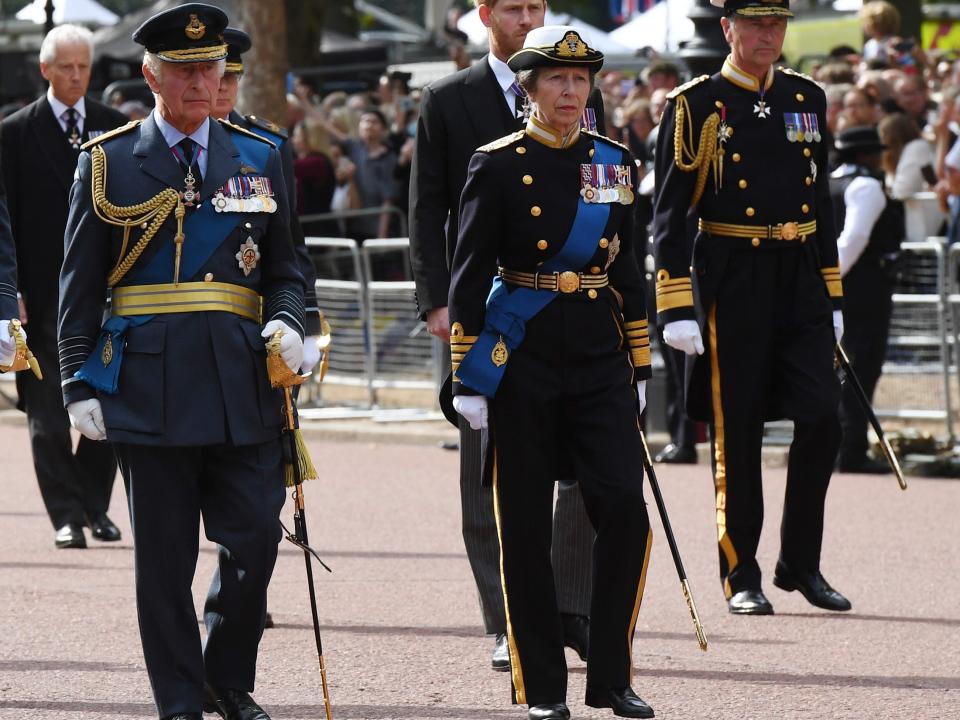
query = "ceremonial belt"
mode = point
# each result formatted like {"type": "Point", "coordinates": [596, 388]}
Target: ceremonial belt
{"type": "Point", "coordinates": [781, 231]}
{"type": "Point", "coordinates": [132, 300]}
{"type": "Point", "coordinates": [565, 282]}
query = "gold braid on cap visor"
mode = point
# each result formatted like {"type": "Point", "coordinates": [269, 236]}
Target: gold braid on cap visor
{"type": "Point", "coordinates": [202, 54]}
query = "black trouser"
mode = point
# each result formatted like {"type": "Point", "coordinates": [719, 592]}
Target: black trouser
{"type": "Point", "coordinates": [566, 399]}
{"type": "Point", "coordinates": [239, 491]}
{"type": "Point", "coordinates": [683, 431]}
{"type": "Point", "coordinates": [73, 483]}
{"type": "Point", "coordinates": [867, 306]}
{"type": "Point", "coordinates": [770, 338]}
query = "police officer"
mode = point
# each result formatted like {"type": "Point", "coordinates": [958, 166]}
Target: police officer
{"type": "Point", "coordinates": [761, 294]}
{"type": "Point", "coordinates": [181, 217]}
{"type": "Point", "coordinates": [549, 356]}
{"type": "Point", "coordinates": [871, 227]}
{"type": "Point", "coordinates": [238, 42]}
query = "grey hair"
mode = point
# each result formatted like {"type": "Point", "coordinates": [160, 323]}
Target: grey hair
{"type": "Point", "coordinates": [154, 63]}
{"type": "Point", "coordinates": [64, 35]}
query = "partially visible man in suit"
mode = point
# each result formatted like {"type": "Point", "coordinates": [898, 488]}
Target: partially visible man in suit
{"type": "Point", "coordinates": [40, 145]}
{"type": "Point", "coordinates": [458, 114]}
{"type": "Point", "coordinates": [8, 285]}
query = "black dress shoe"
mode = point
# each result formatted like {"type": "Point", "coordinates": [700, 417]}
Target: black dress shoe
{"type": "Point", "coordinates": [500, 660]}
{"type": "Point", "coordinates": [812, 586]}
{"type": "Point", "coordinates": [71, 536]}
{"type": "Point", "coordinates": [576, 633]}
{"type": "Point", "coordinates": [102, 527]}
{"type": "Point", "coordinates": [625, 703]}
{"type": "Point", "coordinates": [185, 716]}
{"type": "Point", "coordinates": [267, 621]}
{"type": "Point", "coordinates": [863, 466]}
{"type": "Point", "coordinates": [750, 602]}
{"type": "Point", "coordinates": [677, 454]}
{"type": "Point", "coordinates": [552, 711]}
{"type": "Point", "coordinates": [233, 705]}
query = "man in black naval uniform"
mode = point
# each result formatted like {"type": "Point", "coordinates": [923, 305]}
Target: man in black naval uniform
{"type": "Point", "coordinates": [182, 218]}
{"type": "Point", "coordinates": [238, 42]}
{"type": "Point", "coordinates": [761, 293]}
{"type": "Point", "coordinates": [870, 227]}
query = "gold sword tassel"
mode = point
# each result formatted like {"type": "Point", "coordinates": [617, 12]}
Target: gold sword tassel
{"type": "Point", "coordinates": [22, 357]}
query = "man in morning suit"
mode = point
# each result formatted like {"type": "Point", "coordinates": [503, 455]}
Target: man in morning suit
{"type": "Point", "coordinates": [459, 114]}
{"type": "Point", "coordinates": [40, 145]}
{"type": "Point", "coordinates": [757, 304]}
{"type": "Point", "coordinates": [182, 218]}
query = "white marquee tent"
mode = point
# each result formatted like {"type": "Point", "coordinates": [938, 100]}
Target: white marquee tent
{"type": "Point", "coordinates": [82, 12]}
{"type": "Point", "coordinates": [662, 27]}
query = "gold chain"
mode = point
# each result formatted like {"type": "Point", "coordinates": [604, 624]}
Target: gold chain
{"type": "Point", "coordinates": [154, 211]}
{"type": "Point", "coordinates": [705, 156]}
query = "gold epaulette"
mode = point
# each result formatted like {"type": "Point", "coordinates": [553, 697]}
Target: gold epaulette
{"type": "Point", "coordinates": [244, 131]}
{"type": "Point", "coordinates": [794, 73]}
{"type": "Point", "coordinates": [604, 138]}
{"type": "Point", "coordinates": [110, 134]}
{"type": "Point", "coordinates": [503, 142]}
{"type": "Point", "coordinates": [680, 89]}
{"type": "Point", "coordinates": [267, 125]}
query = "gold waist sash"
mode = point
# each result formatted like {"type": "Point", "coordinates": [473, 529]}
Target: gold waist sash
{"type": "Point", "coordinates": [187, 297]}
{"type": "Point", "coordinates": [565, 282]}
{"type": "Point", "coordinates": [780, 231]}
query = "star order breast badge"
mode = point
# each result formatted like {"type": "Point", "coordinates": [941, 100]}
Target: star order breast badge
{"type": "Point", "coordinates": [248, 256]}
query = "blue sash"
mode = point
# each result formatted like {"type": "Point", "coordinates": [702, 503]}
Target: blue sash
{"type": "Point", "coordinates": [508, 312]}
{"type": "Point", "coordinates": [205, 230]}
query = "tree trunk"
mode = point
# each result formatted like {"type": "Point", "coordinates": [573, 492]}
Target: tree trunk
{"type": "Point", "coordinates": [263, 90]}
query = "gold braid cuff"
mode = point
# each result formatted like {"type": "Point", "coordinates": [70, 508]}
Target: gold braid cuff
{"type": "Point", "coordinates": [705, 156]}
{"type": "Point", "coordinates": [152, 213]}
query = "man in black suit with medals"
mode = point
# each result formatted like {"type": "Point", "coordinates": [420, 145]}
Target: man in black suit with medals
{"type": "Point", "coordinates": [459, 114]}
{"type": "Point", "coordinates": [757, 308]}
{"type": "Point", "coordinates": [40, 145]}
{"type": "Point", "coordinates": [183, 219]}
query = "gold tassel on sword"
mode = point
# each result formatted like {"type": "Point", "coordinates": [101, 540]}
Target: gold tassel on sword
{"type": "Point", "coordinates": [23, 359]}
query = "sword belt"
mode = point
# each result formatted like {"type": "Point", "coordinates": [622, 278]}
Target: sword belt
{"type": "Point", "coordinates": [564, 282]}
{"type": "Point", "coordinates": [187, 297]}
{"type": "Point", "coordinates": [781, 231]}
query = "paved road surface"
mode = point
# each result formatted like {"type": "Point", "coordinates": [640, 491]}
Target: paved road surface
{"type": "Point", "coordinates": [401, 625]}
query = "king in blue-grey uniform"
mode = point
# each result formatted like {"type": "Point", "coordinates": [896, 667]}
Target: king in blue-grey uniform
{"type": "Point", "coordinates": [758, 305]}
{"type": "Point", "coordinates": [184, 220]}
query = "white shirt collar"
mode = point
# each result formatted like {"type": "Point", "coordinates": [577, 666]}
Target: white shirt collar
{"type": "Point", "coordinates": [201, 136]}
{"type": "Point", "coordinates": [59, 108]}
{"type": "Point", "coordinates": [505, 76]}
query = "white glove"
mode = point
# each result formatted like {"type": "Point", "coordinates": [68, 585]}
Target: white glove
{"type": "Point", "coordinates": [8, 347]}
{"type": "Point", "coordinates": [684, 335]}
{"type": "Point", "coordinates": [641, 396]}
{"type": "Point", "coordinates": [87, 417]}
{"type": "Point", "coordinates": [311, 354]}
{"type": "Point", "coordinates": [473, 408]}
{"type": "Point", "coordinates": [838, 324]}
{"type": "Point", "coordinates": [291, 346]}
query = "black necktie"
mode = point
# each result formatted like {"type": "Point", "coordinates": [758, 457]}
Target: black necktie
{"type": "Point", "coordinates": [190, 160]}
{"type": "Point", "coordinates": [73, 131]}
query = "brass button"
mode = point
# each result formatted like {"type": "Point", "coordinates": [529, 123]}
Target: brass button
{"type": "Point", "coordinates": [799, 97]}
{"type": "Point", "coordinates": [535, 211]}
{"type": "Point", "coordinates": [595, 270]}
{"type": "Point", "coordinates": [755, 242]}
{"type": "Point", "coordinates": [543, 245]}
{"type": "Point", "coordinates": [592, 152]}
{"type": "Point", "coordinates": [592, 294]}
{"type": "Point", "coordinates": [806, 152]}
{"type": "Point", "coordinates": [805, 208]}
{"type": "Point", "coordinates": [736, 157]}
{"type": "Point", "coordinates": [208, 277]}
{"type": "Point", "coordinates": [718, 104]}
{"type": "Point", "coordinates": [604, 243]}
{"type": "Point", "coordinates": [751, 212]}
{"type": "Point", "coordinates": [742, 184]}
{"type": "Point", "coordinates": [528, 179]}
{"type": "Point", "coordinates": [248, 226]}
{"type": "Point", "coordinates": [521, 150]}
{"type": "Point", "coordinates": [808, 180]}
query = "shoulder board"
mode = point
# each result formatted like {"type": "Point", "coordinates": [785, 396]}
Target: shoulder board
{"type": "Point", "coordinates": [687, 85]}
{"type": "Point", "coordinates": [110, 134]}
{"type": "Point", "coordinates": [503, 142]}
{"type": "Point", "coordinates": [243, 131]}
{"type": "Point", "coordinates": [789, 71]}
{"type": "Point", "coordinates": [267, 125]}
{"type": "Point", "coordinates": [604, 138]}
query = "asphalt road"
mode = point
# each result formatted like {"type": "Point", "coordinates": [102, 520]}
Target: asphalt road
{"type": "Point", "coordinates": [400, 620]}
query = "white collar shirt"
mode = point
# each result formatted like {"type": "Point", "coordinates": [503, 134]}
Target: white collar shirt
{"type": "Point", "coordinates": [505, 78]}
{"type": "Point", "coordinates": [60, 111]}
{"type": "Point", "coordinates": [201, 136]}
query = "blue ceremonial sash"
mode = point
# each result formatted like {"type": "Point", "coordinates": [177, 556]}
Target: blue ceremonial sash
{"type": "Point", "coordinates": [508, 312]}
{"type": "Point", "coordinates": [204, 231]}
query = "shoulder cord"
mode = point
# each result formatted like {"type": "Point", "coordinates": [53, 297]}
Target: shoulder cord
{"type": "Point", "coordinates": [705, 156]}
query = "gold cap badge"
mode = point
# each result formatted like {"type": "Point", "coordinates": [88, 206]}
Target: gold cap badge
{"type": "Point", "coordinates": [571, 46]}
{"type": "Point", "coordinates": [195, 29]}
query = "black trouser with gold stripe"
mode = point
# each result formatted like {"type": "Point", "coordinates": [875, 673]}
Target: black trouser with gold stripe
{"type": "Point", "coordinates": [770, 339]}
{"type": "Point", "coordinates": [566, 408]}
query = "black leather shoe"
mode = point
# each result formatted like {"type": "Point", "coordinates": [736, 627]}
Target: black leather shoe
{"type": "Point", "coordinates": [864, 466]}
{"type": "Point", "coordinates": [102, 527]}
{"type": "Point", "coordinates": [553, 711]}
{"type": "Point", "coordinates": [233, 705]}
{"type": "Point", "coordinates": [750, 602]}
{"type": "Point", "coordinates": [625, 703]}
{"type": "Point", "coordinates": [267, 621]}
{"type": "Point", "coordinates": [576, 633]}
{"type": "Point", "coordinates": [812, 586]}
{"type": "Point", "coordinates": [185, 716]}
{"type": "Point", "coordinates": [71, 536]}
{"type": "Point", "coordinates": [677, 455]}
{"type": "Point", "coordinates": [500, 660]}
